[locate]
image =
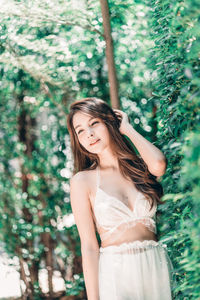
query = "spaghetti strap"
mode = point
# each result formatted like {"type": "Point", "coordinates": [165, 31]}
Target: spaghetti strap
{"type": "Point", "coordinates": [98, 177]}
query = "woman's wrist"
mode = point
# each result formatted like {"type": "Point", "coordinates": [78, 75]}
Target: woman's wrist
{"type": "Point", "coordinates": [127, 129]}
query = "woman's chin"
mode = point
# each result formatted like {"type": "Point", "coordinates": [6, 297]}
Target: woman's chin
{"type": "Point", "coordinates": [94, 151]}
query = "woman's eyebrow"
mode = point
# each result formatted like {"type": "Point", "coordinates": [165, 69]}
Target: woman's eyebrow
{"type": "Point", "coordinates": [88, 120]}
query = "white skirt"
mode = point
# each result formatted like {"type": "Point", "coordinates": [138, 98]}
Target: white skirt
{"type": "Point", "coordinates": [135, 271]}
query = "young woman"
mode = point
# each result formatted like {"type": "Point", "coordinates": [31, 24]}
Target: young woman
{"type": "Point", "coordinates": [115, 192]}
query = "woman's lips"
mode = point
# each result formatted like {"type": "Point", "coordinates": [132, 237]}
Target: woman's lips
{"type": "Point", "coordinates": [92, 144]}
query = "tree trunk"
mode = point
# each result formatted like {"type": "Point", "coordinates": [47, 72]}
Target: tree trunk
{"type": "Point", "coordinates": [24, 128]}
{"type": "Point", "coordinates": [48, 242]}
{"type": "Point", "coordinates": [112, 76]}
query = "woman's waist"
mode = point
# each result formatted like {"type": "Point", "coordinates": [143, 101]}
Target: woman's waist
{"type": "Point", "coordinates": [138, 232]}
{"type": "Point", "coordinates": [135, 246]}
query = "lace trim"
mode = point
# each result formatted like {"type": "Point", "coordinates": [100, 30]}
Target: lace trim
{"type": "Point", "coordinates": [132, 247]}
{"type": "Point", "coordinates": [147, 221]}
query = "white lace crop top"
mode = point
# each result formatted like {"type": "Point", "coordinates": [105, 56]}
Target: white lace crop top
{"type": "Point", "coordinates": [114, 216]}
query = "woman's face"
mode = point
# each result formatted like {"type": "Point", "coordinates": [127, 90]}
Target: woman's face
{"type": "Point", "coordinates": [92, 132]}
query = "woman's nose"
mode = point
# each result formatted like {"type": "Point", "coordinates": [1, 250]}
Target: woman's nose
{"type": "Point", "coordinates": [90, 132]}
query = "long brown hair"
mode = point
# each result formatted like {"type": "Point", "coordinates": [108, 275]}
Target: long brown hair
{"type": "Point", "coordinates": [131, 165]}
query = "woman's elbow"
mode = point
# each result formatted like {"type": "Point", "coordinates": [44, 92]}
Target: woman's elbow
{"type": "Point", "coordinates": [159, 168]}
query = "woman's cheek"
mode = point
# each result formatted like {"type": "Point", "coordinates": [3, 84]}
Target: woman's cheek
{"type": "Point", "coordinates": [84, 144]}
{"type": "Point", "coordinates": [105, 133]}
{"type": "Point", "coordinates": [81, 140]}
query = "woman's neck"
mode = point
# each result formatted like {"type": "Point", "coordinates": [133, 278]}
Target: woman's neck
{"type": "Point", "coordinates": [108, 160]}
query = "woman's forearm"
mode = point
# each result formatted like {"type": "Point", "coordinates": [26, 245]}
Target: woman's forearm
{"type": "Point", "coordinates": [153, 157]}
{"type": "Point", "coordinates": [90, 263]}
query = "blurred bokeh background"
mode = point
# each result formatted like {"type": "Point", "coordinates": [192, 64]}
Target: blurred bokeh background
{"type": "Point", "coordinates": [52, 52]}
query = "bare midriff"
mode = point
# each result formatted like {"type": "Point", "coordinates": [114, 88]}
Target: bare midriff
{"type": "Point", "coordinates": [139, 232]}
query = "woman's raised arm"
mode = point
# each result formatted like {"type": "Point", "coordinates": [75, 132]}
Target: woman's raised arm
{"type": "Point", "coordinates": [153, 157]}
{"type": "Point", "coordinates": [81, 208]}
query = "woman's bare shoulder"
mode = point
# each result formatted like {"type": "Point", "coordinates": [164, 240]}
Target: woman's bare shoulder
{"type": "Point", "coordinates": [83, 177]}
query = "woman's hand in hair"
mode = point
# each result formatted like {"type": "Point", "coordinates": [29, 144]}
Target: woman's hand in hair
{"type": "Point", "coordinates": [124, 119]}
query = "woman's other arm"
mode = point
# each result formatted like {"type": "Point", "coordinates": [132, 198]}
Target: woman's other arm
{"type": "Point", "coordinates": [81, 209]}
{"type": "Point", "coordinates": [153, 157]}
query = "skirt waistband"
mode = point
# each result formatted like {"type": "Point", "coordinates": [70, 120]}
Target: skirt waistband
{"type": "Point", "coordinates": [132, 246]}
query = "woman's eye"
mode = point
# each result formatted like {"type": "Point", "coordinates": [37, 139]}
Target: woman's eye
{"type": "Point", "coordinates": [80, 131]}
{"type": "Point", "coordinates": [91, 125]}
{"type": "Point", "coordinates": [95, 122]}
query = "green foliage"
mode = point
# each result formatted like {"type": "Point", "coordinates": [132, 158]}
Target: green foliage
{"type": "Point", "coordinates": [55, 54]}
{"type": "Point", "coordinates": [175, 32]}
